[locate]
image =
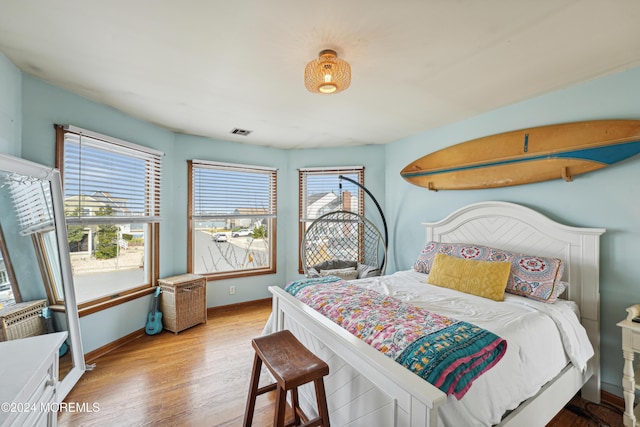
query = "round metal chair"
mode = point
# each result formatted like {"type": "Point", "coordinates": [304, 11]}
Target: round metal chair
{"type": "Point", "coordinates": [343, 238]}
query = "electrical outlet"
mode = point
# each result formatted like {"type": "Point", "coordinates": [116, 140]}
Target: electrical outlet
{"type": "Point", "coordinates": [232, 290]}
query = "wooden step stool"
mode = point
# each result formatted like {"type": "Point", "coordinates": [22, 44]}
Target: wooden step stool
{"type": "Point", "coordinates": [292, 365]}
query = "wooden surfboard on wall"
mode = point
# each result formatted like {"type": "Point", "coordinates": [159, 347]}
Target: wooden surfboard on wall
{"type": "Point", "coordinates": [527, 155]}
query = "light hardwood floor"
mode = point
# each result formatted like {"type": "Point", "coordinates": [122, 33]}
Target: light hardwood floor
{"type": "Point", "coordinates": [199, 377]}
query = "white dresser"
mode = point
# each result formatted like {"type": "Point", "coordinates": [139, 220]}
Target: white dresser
{"type": "Point", "coordinates": [29, 376]}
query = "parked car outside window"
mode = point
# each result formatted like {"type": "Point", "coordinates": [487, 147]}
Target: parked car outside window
{"type": "Point", "coordinates": [241, 233]}
{"type": "Point", "coordinates": [220, 237]}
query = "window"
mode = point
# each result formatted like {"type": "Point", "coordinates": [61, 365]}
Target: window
{"type": "Point", "coordinates": [322, 191]}
{"type": "Point", "coordinates": [232, 219]}
{"type": "Point", "coordinates": [112, 207]}
{"type": "Point", "coordinates": [8, 289]}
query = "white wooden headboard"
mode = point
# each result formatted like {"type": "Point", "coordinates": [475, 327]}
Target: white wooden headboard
{"type": "Point", "coordinates": [516, 228]}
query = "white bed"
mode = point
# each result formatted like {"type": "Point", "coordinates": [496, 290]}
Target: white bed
{"type": "Point", "coordinates": [366, 388]}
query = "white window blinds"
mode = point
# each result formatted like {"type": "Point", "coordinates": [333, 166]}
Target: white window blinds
{"type": "Point", "coordinates": [107, 180]}
{"type": "Point", "coordinates": [223, 190]}
{"type": "Point", "coordinates": [321, 191]}
{"type": "Point", "coordinates": [32, 203]}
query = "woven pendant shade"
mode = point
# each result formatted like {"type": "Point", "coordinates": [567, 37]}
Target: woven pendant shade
{"type": "Point", "coordinates": [327, 74]}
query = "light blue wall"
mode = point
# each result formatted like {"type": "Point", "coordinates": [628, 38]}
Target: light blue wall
{"type": "Point", "coordinates": [19, 247]}
{"type": "Point", "coordinates": [608, 198]}
{"type": "Point", "coordinates": [10, 106]}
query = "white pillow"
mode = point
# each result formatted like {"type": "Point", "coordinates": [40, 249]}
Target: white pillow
{"type": "Point", "coordinates": [344, 273]}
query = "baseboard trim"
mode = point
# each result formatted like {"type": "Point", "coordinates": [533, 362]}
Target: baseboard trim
{"type": "Point", "coordinates": [108, 348]}
{"type": "Point", "coordinates": [612, 399]}
{"type": "Point", "coordinates": [101, 351]}
{"type": "Point", "coordinates": [232, 307]}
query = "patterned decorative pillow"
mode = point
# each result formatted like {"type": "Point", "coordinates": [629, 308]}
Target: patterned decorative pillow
{"type": "Point", "coordinates": [531, 276]}
{"type": "Point", "coordinates": [459, 250]}
{"type": "Point", "coordinates": [482, 278]}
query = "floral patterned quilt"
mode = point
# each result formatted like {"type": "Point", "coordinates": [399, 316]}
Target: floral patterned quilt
{"type": "Point", "coordinates": [448, 353]}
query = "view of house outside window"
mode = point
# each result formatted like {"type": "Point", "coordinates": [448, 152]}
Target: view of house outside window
{"type": "Point", "coordinates": [322, 191]}
{"type": "Point", "coordinates": [232, 219]}
{"type": "Point", "coordinates": [111, 200]}
{"type": "Point", "coordinates": [106, 259]}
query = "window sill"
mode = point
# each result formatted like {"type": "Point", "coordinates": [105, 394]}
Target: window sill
{"type": "Point", "coordinates": [108, 302]}
{"type": "Point", "coordinates": [234, 275]}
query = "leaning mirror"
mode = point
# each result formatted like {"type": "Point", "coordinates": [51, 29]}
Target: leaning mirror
{"type": "Point", "coordinates": [35, 251]}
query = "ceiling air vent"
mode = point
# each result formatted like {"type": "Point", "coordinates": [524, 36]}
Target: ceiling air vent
{"type": "Point", "coordinates": [243, 132]}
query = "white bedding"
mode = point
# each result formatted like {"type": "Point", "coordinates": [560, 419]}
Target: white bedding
{"type": "Point", "coordinates": [541, 340]}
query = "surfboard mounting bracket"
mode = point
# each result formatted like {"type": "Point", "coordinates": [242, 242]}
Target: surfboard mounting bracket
{"type": "Point", "coordinates": [565, 174]}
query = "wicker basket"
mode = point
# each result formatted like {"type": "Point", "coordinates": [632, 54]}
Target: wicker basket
{"type": "Point", "coordinates": [22, 320]}
{"type": "Point", "coordinates": [183, 301]}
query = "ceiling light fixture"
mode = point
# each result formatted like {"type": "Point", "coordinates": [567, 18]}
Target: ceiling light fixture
{"type": "Point", "coordinates": [327, 74]}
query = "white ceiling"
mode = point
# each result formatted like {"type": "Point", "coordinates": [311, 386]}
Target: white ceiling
{"type": "Point", "coordinates": [206, 67]}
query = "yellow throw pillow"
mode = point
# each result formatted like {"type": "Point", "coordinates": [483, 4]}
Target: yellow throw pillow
{"type": "Point", "coordinates": [486, 279]}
